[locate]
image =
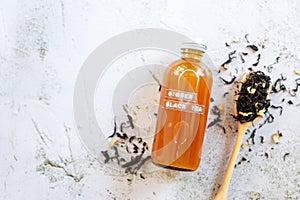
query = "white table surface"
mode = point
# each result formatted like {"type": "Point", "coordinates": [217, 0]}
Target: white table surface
{"type": "Point", "coordinates": [44, 44]}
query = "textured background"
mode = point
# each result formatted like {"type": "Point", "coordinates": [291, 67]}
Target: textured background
{"type": "Point", "coordinates": [43, 45]}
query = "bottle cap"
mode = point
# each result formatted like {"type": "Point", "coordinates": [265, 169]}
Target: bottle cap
{"type": "Point", "coordinates": [194, 44]}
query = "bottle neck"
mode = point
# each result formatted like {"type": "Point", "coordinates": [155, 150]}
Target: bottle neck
{"type": "Point", "coordinates": [192, 54]}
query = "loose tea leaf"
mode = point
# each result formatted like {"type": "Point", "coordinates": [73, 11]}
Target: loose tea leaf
{"type": "Point", "coordinates": [214, 122]}
{"type": "Point", "coordinates": [215, 110]}
{"type": "Point", "coordinates": [130, 121]}
{"type": "Point", "coordinates": [267, 155]}
{"type": "Point", "coordinates": [294, 91]}
{"type": "Point", "coordinates": [278, 107]}
{"type": "Point", "coordinates": [252, 136]}
{"type": "Point", "coordinates": [262, 139]}
{"type": "Point", "coordinates": [242, 58]}
{"type": "Point", "coordinates": [285, 155]}
{"type": "Point", "coordinates": [132, 145]}
{"type": "Point", "coordinates": [230, 57]}
{"type": "Point", "coordinates": [252, 99]}
{"type": "Point", "coordinates": [222, 127]}
{"type": "Point", "coordinates": [134, 161]}
{"type": "Point", "coordinates": [224, 95]}
{"type": "Point", "coordinates": [257, 61]}
{"type": "Point", "coordinates": [246, 38]}
{"type": "Point", "coordinates": [278, 86]}
{"type": "Point", "coordinates": [122, 125]}
{"type": "Point", "coordinates": [143, 161]}
{"type": "Point", "coordinates": [253, 47]}
{"type": "Point", "coordinates": [106, 156]}
{"type": "Point", "coordinates": [115, 129]}
{"type": "Point", "coordinates": [276, 136]}
{"type": "Point", "coordinates": [159, 89]}
{"type": "Point", "coordinates": [229, 82]}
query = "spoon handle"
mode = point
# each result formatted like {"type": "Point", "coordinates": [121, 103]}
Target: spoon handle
{"type": "Point", "coordinates": [223, 190]}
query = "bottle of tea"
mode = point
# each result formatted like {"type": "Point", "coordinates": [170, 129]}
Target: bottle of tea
{"type": "Point", "coordinates": [183, 110]}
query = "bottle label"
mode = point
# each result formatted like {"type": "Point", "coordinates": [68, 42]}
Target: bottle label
{"type": "Point", "coordinates": [182, 101]}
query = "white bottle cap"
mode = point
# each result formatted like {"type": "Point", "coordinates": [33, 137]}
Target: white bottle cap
{"type": "Point", "coordinates": [194, 44]}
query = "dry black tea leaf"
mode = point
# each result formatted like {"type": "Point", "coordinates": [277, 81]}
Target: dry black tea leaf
{"type": "Point", "coordinates": [115, 129]}
{"type": "Point", "coordinates": [130, 121]}
{"type": "Point", "coordinates": [224, 95]}
{"type": "Point", "coordinates": [257, 61]}
{"type": "Point", "coordinates": [143, 161]}
{"type": "Point", "coordinates": [214, 122]}
{"type": "Point", "coordinates": [230, 81]}
{"type": "Point", "coordinates": [270, 68]}
{"type": "Point", "coordinates": [285, 155]}
{"type": "Point", "coordinates": [242, 58]}
{"type": "Point", "coordinates": [253, 47]}
{"type": "Point", "coordinates": [222, 127]}
{"type": "Point", "coordinates": [262, 139]}
{"type": "Point", "coordinates": [142, 177]}
{"type": "Point", "coordinates": [246, 38]}
{"type": "Point", "coordinates": [134, 161]}
{"type": "Point", "coordinates": [252, 136]}
{"type": "Point", "coordinates": [131, 138]}
{"type": "Point", "coordinates": [106, 156]}
{"type": "Point", "coordinates": [122, 125]}
{"type": "Point", "coordinates": [278, 86]}
{"type": "Point", "coordinates": [230, 57]}
{"type": "Point", "coordinates": [294, 91]}
{"type": "Point", "coordinates": [231, 54]}
{"type": "Point", "coordinates": [278, 107]}
{"type": "Point", "coordinates": [267, 155]}
{"type": "Point", "coordinates": [252, 99]}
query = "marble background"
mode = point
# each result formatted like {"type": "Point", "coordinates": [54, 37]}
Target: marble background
{"type": "Point", "coordinates": [43, 45]}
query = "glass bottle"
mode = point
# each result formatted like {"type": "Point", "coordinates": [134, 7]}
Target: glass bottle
{"type": "Point", "coordinates": [184, 104]}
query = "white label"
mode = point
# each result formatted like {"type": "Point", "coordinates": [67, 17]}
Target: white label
{"type": "Point", "coordinates": [177, 94]}
{"type": "Point", "coordinates": [184, 106]}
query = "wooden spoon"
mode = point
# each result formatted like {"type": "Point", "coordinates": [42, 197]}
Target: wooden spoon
{"type": "Point", "coordinates": [242, 128]}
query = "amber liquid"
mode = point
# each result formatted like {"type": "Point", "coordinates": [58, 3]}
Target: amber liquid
{"type": "Point", "coordinates": [179, 133]}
